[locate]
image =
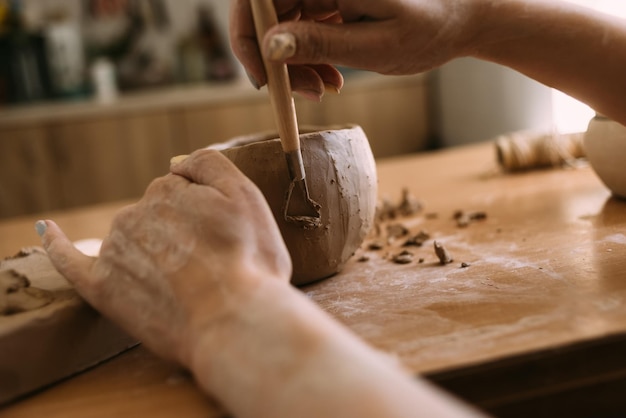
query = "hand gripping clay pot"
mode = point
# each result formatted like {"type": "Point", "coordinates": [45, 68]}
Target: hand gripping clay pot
{"type": "Point", "coordinates": [341, 178]}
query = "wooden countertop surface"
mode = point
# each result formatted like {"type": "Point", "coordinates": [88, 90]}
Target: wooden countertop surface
{"type": "Point", "coordinates": [547, 271]}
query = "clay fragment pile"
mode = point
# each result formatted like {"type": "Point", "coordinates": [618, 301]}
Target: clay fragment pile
{"type": "Point", "coordinates": [394, 238]}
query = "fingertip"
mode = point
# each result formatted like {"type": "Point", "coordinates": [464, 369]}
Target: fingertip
{"type": "Point", "coordinates": [331, 89]}
{"type": "Point", "coordinates": [280, 46]}
{"type": "Point", "coordinates": [44, 227]}
{"type": "Point", "coordinates": [47, 230]}
{"type": "Point", "coordinates": [178, 159]}
{"type": "Point", "coordinates": [65, 257]}
{"type": "Point", "coordinates": [249, 55]}
{"type": "Point", "coordinates": [253, 81]}
{"type": "Point", "coordinates": [52, 238]}
{"type": "Point", "coordinates": [311, 95]}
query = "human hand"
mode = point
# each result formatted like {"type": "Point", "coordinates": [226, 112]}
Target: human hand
{"type": "Point", "coordinates": [180, 263]}
{"type": "Point", "coordinates": [386, 36]}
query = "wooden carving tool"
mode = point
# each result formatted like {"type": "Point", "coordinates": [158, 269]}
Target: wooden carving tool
{"type": "Point", "coordinates": [299, 207]}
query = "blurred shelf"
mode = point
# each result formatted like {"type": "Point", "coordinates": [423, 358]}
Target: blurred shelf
{"type": "Point", "coordinates": [63, 155]}
{"type": "Point", "coordinates": [180, 95]}
{"type": "Point", "coordinates": [145, 100]}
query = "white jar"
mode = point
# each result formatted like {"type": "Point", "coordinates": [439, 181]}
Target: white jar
{"type": "Point", "coordinates": [104, 80]}
{"type": "Point", "coordinates": [605, 148]}
{"type": "Point", "coordinates": [65, 54]}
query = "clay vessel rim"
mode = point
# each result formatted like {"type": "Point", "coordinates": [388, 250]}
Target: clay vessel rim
{"type": "Point", "coordinates": [306, 132]}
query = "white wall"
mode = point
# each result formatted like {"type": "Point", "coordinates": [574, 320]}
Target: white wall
{"type": "Point", "coordinates": [477, 100]}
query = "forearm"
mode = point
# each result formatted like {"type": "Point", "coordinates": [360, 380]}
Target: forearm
{"type": "Point", "coordinates": [284, 357]}
{"type": "Point", "coordinates": [573, 49]}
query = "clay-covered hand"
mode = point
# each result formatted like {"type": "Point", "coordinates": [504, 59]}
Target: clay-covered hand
{"type": "Point", "coordinates": [386, 36]}
{"type": "Point", "coordinates": [180, 263]}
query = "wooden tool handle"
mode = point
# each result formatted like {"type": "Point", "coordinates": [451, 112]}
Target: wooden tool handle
{"type": "Point", "coordinates": [277, 80]}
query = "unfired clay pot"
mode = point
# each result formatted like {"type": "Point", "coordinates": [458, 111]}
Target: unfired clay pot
{"type": "Point", "coordinates": [605, 148]}
{"type": "Point", "coordinates": [341, 177]}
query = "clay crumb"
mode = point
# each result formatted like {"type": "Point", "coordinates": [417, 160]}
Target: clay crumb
{"type": "Point", "coordinates": [409, 205]}
{"type": "Point", "coordinates": [417, 240]}
{"type": "Point", "coordinates": [464, 218]}
{"type": "Point", "coordinates": [421, 261]}
{"type": "Point", "coordinates": [465, 265]}
{"type": "Point", "coordinates": [385, 210]}
{"type": "Point", "coordinates": [25, 252]}
{"type": "Point", "coordinates": [375, 246]}
{"type": "Point", "coordinates": [405, 257]}
{"type": "Point", "coordinates": [396, 231]}
{"type": "Point", "coordinates": [442, 254]}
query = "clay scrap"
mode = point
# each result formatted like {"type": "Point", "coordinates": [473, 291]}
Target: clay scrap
{"type": "Point", "coordinates": [417, 240]}
{"type": "Point", "coordinates": [442, 254]}
{"type": "Point", "coordinates": [404, 257]}
{"type": "Point", "coordinates": [47, 331]}
{"type": "Point", "coordinates": [17, 296]}
{"type": "Point", "coordinates": [395, 231]}
{"type": "Point", "coordinates": [464, 218]}
{"type": "Point", "coordinates": [408, 206]}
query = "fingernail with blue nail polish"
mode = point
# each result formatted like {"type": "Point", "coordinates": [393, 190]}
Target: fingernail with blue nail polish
{"type": "Point", "coordinates": [40, 227]}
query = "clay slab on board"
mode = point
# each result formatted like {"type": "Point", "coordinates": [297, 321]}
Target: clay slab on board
{"type": "Point", "coordinates": [51, 342]}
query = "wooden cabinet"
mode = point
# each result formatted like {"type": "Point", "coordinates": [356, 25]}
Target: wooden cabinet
{"type": "Point", "coordinates": [111, 158]}
{"type": "Point", "coordinates": [56, 156]}
{"type": "Point", "coordinates": [26, 171]}
{"type": "Point", "coordinates": [72, 163]}
{"type": "Point", "coordinates": [217, 122]}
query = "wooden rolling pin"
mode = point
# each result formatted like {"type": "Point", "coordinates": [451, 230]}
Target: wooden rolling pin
{"type": "Point", "coordinates": [525, 150]}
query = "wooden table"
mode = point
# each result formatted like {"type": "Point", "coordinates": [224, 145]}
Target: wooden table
{"type": "Point", "coordinates": [534, 325]}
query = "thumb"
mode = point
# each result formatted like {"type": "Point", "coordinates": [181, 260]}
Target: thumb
{"type": "Point", "coordinates": [308, 42]}
{"type": "Point", "coordinates": [66, 258]}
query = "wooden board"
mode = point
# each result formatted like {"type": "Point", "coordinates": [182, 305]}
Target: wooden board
{"type": "Point", "coordinates": [62, 338]}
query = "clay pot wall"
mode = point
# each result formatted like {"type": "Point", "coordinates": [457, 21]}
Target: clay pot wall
{"type": "Point", "coordinates": [341, 177]}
